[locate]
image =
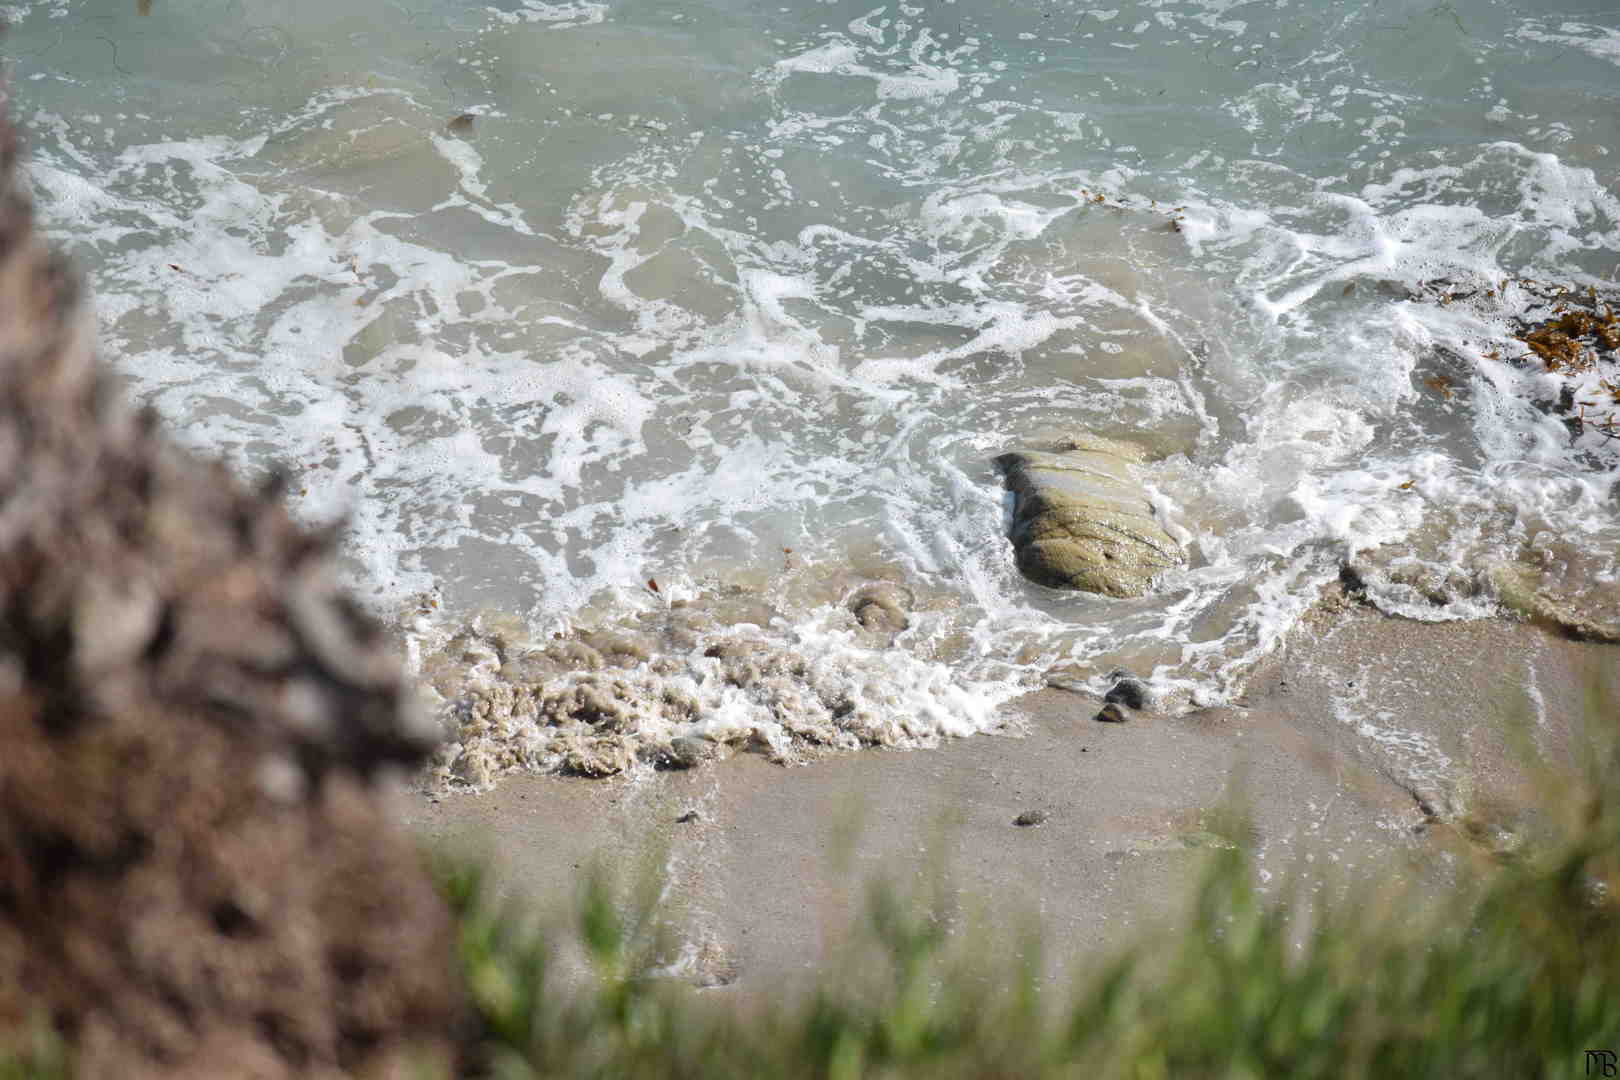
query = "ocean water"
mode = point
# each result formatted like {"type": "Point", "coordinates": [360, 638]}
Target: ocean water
{"type": "Point", "coordinates": [636, 339]}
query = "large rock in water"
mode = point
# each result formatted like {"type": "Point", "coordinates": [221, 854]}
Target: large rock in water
{"type": "Point", "coordinates": [199, 875]}
{"type": "Point", "coordinates": [1082, 522]}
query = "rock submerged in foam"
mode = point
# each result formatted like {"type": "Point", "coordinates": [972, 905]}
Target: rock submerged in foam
{"type": "Point", "coordinates": [882, 606]}
{"type": "Point", "coordinates": [1083, 522]}
{"type": "Point", "coordinates": [669, 687]}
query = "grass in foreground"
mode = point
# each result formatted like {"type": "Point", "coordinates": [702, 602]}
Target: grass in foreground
{"type": "Point", "coordinates": [1514, 972]}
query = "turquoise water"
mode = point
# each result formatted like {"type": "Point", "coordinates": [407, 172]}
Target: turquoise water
{"type": "Point", "coordinates": [554, 299]}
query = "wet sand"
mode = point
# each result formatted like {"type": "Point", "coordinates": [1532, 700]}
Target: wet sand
{"type": "Point", "coordinates": [1364, 739]}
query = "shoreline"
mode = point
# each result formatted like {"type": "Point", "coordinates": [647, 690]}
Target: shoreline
{"type": "Point", "coordinates": [1362, 740]}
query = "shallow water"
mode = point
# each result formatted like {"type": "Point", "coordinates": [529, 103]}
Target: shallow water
{"type": "Point", "coordinates": [558, 301]}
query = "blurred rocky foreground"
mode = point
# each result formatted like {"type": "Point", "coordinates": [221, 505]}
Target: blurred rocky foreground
{"type": "Point", "coordinates": [199, 734]}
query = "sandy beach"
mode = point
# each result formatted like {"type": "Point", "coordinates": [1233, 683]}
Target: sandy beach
{"type": "Point", "coordinates": [1363, 739]}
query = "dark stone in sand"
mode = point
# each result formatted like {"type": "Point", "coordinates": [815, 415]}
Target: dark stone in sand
{"type": "Point", "coordinates": [1031, 817]}
{"type": "Point", "coordinates": [1128, 691]}
{"type": "Point", "coordinates": [201, 873]}
{"type": "Point", "coordinates": [688, 818]}
{"type": "Point", "coordinates": [1111, 714]}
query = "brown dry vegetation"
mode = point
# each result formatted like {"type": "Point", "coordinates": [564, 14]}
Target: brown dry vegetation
{"type": "Point", "coordinates": [198, 876]}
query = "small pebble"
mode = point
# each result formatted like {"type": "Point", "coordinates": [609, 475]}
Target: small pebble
{"type": "Point", "coordinates": [1030, 817]}
{"type": "Point", "coordinates": [688, 817]}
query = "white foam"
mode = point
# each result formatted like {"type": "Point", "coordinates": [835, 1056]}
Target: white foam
{"type": "Point", "coordinates": [1602, 42]}
{"type": "Point", "coordinates": [557, 16]}
{"type": "Point", "coordinates": [643, 323]}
